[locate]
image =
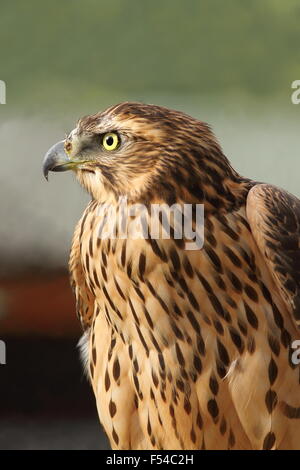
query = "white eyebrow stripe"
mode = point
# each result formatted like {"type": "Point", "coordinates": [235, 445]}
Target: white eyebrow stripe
{"type": "Point", "coordinates": [106, 124]}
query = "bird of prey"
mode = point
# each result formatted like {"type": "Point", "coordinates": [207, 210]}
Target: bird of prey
{"type": "Point", "coordinates": [185, 348]}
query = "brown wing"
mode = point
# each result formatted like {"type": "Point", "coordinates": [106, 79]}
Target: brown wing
{"type": "Point", "coordinates": [274, 216]}
{"type": "Point", "coordinates": [85, 299]}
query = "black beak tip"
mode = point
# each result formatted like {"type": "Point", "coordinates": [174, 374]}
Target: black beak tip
{"type": "Point", "coordinates": [53, 158]}
{"type": "Point", "coordinates": [45, 171]}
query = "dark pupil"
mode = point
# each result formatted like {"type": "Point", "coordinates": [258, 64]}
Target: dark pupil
{"type": "Point", "coordinates": [109, 141]}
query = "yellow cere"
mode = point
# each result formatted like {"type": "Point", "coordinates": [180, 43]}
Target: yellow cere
{"type": "Point", "coordinates": [68, 147]}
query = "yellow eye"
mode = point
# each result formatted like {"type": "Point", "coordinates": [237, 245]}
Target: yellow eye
{"type": "Point", "coordinates": [110, 141]}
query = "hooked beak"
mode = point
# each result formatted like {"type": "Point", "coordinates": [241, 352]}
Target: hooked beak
{"type": "Point", "coordinates": [56, 159]}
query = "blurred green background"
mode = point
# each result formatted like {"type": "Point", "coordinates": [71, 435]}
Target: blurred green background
{"type": "Point", "coordinates": [82, 54]}
{"type": "Point", "coordinates": [230, 63]}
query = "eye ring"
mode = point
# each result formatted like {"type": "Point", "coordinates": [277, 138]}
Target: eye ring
{"type": "Point", "coordinates": [110, 141]}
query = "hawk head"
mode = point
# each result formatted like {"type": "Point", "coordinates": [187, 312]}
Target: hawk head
{"type": "Point", "coordinates": [146, 153]}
